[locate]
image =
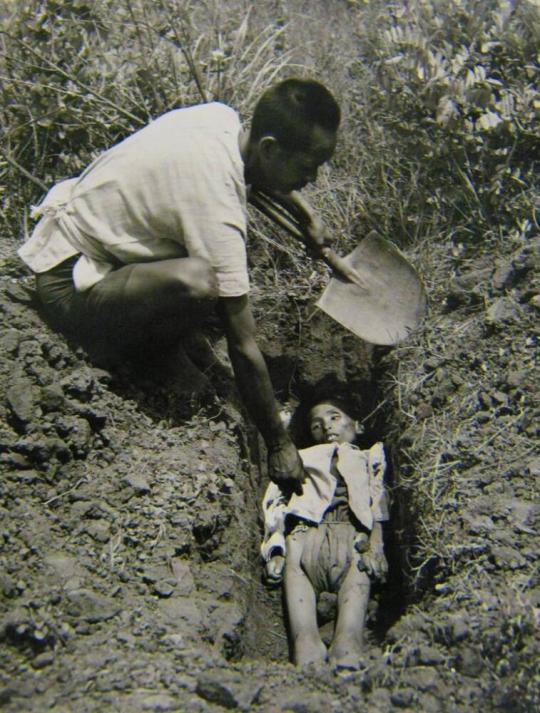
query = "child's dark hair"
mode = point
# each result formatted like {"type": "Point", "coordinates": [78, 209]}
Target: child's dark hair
{"type": "Point", "coordinates": [290, 110]}
{"type": "Point", "coordinates": [300, 427]}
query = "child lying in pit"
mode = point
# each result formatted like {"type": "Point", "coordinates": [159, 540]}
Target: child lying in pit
{"type": "Point", "coordinates": [329, 538]}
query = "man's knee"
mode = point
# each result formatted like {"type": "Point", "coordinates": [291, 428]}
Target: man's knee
{"type": "Point", "coordinates": [170, 281]}
{"type": "Point", "coordinates": [198, 278]}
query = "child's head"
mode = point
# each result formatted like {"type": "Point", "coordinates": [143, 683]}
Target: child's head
{"type": "Point", "coordinates": [329, 422]}
{"type": "Point", "coordinates": [293, 132]}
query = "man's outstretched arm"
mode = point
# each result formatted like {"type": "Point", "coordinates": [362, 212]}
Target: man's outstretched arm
{"type": "Point", "coordinates": [284, 463]}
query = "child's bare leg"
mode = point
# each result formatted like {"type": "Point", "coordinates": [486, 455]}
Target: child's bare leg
{"type": "Point", "coordinates": [308, 646]}
{"type": "Point", "coordinates": [353, 597]}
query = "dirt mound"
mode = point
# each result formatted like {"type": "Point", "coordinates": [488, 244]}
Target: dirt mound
{"type": "Point", "coordinates": [130, 577]}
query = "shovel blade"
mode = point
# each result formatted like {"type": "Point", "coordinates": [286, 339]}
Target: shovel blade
{"type": "Point", "coordinates": [392, 301]}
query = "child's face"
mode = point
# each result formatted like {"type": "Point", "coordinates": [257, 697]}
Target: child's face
{"type": "Point", "coordinates": [329, 424]}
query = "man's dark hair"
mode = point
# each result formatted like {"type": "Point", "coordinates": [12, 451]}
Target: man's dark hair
{"type": "Point", "coordinates": [290, 110]}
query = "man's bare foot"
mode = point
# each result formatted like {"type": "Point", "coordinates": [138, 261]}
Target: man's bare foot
{"type": "Point", "coordinates": [173, 370]}
{"type": "Point", "coordinates": [309, 650]}
{"type": "Point", "coordinates": [206, 353]}
{"type": "Point", "coordinates": [211, 357]}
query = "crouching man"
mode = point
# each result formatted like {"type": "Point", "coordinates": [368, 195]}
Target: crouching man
{"type": "Point", "coordinates": [132, 254]}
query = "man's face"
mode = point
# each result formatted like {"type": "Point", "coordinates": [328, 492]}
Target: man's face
{"type": "Point", "coordinates": [329, 424]}
{"type": "Point", "coordinates": [283, 170]}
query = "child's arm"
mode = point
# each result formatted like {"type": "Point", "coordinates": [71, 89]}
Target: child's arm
{"type": "Point", "coordinates": [377, 469]}
{"type": "Point", "coordinates": [375, 559]}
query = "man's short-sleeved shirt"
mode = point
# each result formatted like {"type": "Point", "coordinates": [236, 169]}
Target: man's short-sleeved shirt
{"type": "Point", "coordinates": [172, 189]}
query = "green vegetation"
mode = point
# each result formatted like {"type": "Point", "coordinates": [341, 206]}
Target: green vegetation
{"type": "Point", "coordinates": [439, 136]}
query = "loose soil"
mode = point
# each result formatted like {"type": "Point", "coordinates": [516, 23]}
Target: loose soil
{"type": "Point", "coordinates": [129, 570]}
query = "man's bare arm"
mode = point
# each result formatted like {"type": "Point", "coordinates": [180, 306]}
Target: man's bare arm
{"type": "Point", "coordinates": [284, 463]}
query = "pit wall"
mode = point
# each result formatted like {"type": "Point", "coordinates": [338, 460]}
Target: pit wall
{"type": "Point", "coordinates": [161, 492]}
{"type": "Point", "coordinates": [326, 360]}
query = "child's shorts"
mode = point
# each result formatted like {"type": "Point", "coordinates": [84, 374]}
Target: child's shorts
{"type": "Point", "coordinates": [328, 552]}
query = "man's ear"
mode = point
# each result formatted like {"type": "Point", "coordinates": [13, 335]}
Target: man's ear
{"type": "Point", "coordinates": [268, 146]}
{"type": "Point", "coordinates": [359, 429]}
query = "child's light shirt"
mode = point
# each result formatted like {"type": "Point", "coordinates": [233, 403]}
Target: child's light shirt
{"type": "Point", "coordinates": [362, 471]}
{"type": "Point", "coordinates": [173, 189]}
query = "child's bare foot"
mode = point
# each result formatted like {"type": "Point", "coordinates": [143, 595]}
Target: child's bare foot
{"type": "Point", "coordinates": [309, 650]}
{"type": "Point", "coordinates": [346, 655]}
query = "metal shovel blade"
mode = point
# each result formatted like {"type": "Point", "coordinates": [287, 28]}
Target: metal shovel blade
{"type": "Point", "coordinates": [391, 302]}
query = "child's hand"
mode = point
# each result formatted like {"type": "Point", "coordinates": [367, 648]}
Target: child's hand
{"type": "Point", "coordinates": [274, 569]}
{"type": "Point", "coordinates": [371, 552]}
{"type": "Point", "coordinates": [376, 562]}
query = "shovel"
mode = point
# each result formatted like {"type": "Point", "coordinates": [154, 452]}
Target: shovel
{"type": "Point", "coordinates": [376, 293]}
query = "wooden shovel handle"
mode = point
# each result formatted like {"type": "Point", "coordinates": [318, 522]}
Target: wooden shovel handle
{"type": "Point", "coordinates": [339, 265]}
{"type": "Point", "coordinates": [284, 218]}
{"type": "Point", "coordinates": [277, 213]}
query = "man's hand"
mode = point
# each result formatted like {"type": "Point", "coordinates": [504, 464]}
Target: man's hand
{"type": "Point", "coordinates": [285, 467]}
{"type": "Point", "coordinates": [317, 236]}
